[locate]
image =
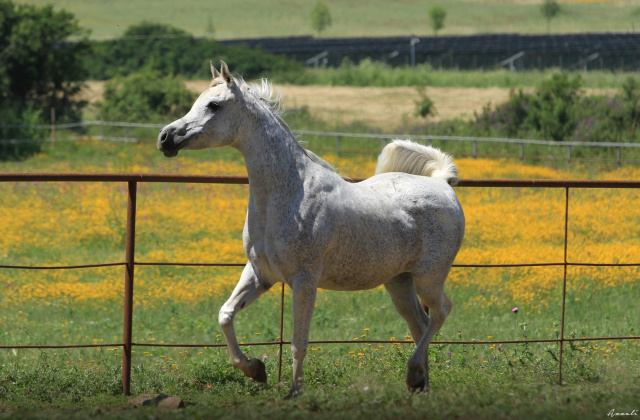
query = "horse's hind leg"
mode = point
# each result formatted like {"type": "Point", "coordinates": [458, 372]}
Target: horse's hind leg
{"type": "Point", "coordinates": [248, 289]}
{"type": "Point", "coordinates": [304, 287]}
{"type": "Point", "coordinates": [430, 288]}
{"type": "Point", "coordinates": [404, 299]}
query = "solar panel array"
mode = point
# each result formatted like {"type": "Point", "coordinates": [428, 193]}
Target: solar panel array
{"type": "Point", "coordinates": [488, 48]}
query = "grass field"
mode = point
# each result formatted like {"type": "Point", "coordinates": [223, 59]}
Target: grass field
{"type": "Point", "coordinates": [65, 223]}
{"type": "Point", "coordinates": [256, 18]}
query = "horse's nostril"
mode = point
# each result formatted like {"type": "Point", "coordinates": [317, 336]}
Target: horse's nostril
{"type": "Point", "coordinates": [163, 136]}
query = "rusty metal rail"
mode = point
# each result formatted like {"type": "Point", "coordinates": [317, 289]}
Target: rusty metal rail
{"type": "Point", "coordinates": [133, 179]}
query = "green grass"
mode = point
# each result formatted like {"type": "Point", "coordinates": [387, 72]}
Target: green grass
{"type": "Point", "coordinates": [256, 18]}
{"type": "Point", "coordinates": [371, 73]}
{"type": "Point", "coordinates": [342, 381]}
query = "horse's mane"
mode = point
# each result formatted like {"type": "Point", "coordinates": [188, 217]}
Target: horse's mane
{"type": "Point", "coordinates": [265, 92]}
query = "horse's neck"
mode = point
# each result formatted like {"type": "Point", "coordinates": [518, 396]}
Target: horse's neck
{"type": "Point", "coordinates": [276, 163]}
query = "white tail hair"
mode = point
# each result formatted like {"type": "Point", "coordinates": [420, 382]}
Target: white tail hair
{"type": "Point", "coordinates": [413, 158]}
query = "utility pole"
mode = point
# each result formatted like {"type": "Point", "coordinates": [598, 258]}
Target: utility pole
{"type": "Point", "coordinates": [412, 44]}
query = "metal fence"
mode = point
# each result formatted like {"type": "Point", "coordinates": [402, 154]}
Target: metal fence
{"type": "Point", "coordinates": [377, 141]}
{"type": "Point", "coordinates": [130, 262]}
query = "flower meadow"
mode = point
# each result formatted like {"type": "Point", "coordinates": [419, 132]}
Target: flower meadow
{"type": "Point", "coordinates": [64, 223]}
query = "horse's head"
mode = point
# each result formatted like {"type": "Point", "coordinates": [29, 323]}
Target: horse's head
{"type": "Point", "coordinates": [210, 122]}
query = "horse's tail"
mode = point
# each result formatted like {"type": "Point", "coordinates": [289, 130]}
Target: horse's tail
{"type": "Point", "coordinates": [413, 158]}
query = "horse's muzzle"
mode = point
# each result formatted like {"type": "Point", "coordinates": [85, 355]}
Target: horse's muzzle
{"type": "Point", "coordinates": [167, 142]}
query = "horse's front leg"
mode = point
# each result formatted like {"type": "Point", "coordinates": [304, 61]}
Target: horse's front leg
{"type": "Point", "coordinates": [304, 287]}
{"type": "Point", "coordinates": [248, 289]}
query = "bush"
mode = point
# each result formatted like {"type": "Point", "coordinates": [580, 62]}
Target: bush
{"type": "Point", "coordinates": [424, 106]}
{"type": "Point", "coordinates": [17, 143]}
{"type": "Point", "coordinates": [145, 97]}
{"type": "Point", "coordinates": [556, 110]}
{"type": "Point", "coordinates": [552, 112]}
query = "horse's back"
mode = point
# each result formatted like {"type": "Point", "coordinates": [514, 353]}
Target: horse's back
{"type": "Point", "coordinates": [389, 224]}
{"type": "Point", "coordinates": [431, 202]}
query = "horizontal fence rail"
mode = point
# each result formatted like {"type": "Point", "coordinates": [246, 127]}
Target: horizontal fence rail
{"type": "Point", "coordinates": [129, 263]}
{"type": "Point", "coordinates": [568, 146]}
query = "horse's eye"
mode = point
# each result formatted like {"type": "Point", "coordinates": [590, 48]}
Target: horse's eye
{"type": "Point", "coordinates": [213, 106]}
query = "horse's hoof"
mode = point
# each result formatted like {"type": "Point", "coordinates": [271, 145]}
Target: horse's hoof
{"type": "Point", "coordinates": [419, 389]}
{"type": "Point", "coordinates": [417, 383]}
{"type": "Point", "coordinates": [261, 374]}
{"type": "Point", "coordinates": [292, 394]}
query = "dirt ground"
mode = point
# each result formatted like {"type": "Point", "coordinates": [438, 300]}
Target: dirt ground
{"type": "Point", "coordinates": [386, 108]}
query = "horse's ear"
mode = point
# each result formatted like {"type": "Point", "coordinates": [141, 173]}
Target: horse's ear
{"type": "Point", "coordinates": [225, 73]}
{"type": "Point", "coordinates": [214, 73]}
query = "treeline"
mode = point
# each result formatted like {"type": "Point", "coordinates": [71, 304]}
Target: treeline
{"type": "Point", "coordinates": [172, 51]}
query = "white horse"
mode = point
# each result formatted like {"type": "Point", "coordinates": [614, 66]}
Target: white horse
{"type": "Point", "coordinates": [310, 229]}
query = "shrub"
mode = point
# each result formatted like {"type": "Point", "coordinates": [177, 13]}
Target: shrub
{"type": "Point", "coordinates": [424, 105]}
{"type": "Point", "coordinates": [17, 143]}
{"type": "Point", "coordinates": [550, 113]}
{"type": "Point", "coordinates": [145, 97]}
{"type": "Point", "coordinates": [556, 110]}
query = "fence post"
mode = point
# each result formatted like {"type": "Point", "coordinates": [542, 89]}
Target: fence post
{"type": "Point", "coordinates": [475, 149]}
{"type": "Point", "coordinates": [53, 127]}
{"type": "Point", "coordinates": [568, 157]}
{"type": "Point", "coordinates": [564, 282]}
{"type": "Point", "coordinates": [521, 152]}
{"type": "Point", "coordinates": [281, 334]}
{"type": "Point", "coordinates": [338, 144]}
{"type": "Point", "coordinates": [619, 156]}
{"type": "Point", "coordinates": [101, 125]}
{"type": "Point", "coordinates": [5, 137]}
{"type": "Point", "coordinates": [128, 288]}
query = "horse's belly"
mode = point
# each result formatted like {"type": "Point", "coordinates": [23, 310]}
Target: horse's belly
{"type": "Point", "coordinates": [357, 281]}
{"type": "Point", "coordinates": [365, 266]}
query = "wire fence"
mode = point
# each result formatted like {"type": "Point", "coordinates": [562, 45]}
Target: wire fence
{"type": "Point", "coordinates": [130, 262]}
{"type": "Point", "coordinates": [569, 152]}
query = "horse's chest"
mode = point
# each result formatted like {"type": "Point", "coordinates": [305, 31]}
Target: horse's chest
{"type": "Point", "coordinates": [276, 249]}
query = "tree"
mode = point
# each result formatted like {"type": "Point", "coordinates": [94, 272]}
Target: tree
{"type": "Point", "coordinates": [40, 68]}
{"type": "Point", "coordinates": [38, 65]}
{"type": "Point", "coordinates": [437, 14]}
{"type": "Point", "coordinates": [149, 30]}
{"type": "Point", "coordinates": [320, 17]}
{"type": "Point", "coordinates": [549, 9]}
{"type": "Point", "coordinates": [210, 28]}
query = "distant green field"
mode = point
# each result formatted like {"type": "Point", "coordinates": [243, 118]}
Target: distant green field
{"type": "Point", "coordinates": [258, 18]}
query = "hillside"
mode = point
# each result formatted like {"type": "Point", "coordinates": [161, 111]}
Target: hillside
{"type": "Point", "coordinates": [257, 18]}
